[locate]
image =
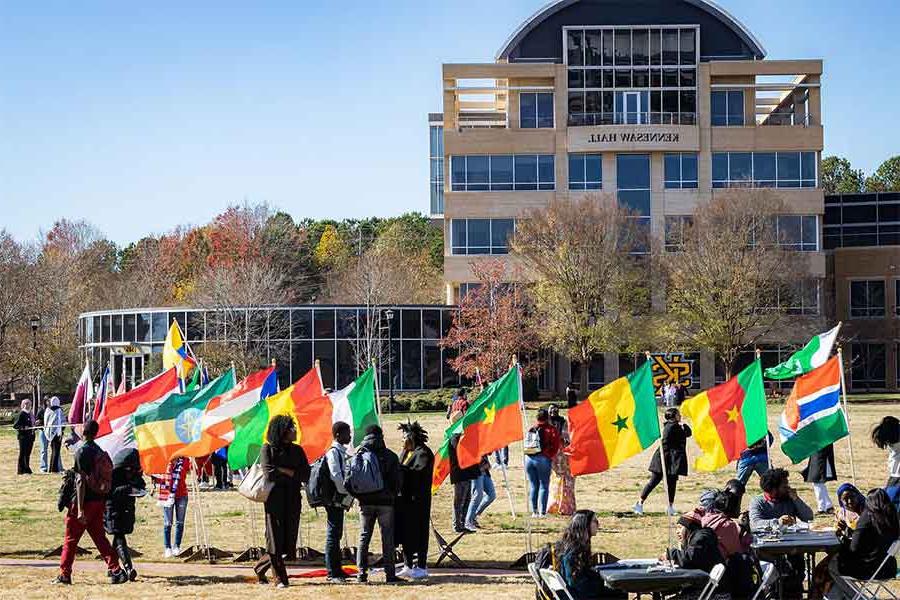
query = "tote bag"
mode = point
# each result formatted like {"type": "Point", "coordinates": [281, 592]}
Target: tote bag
{"type": "Point", "coordinates": [256, 486]}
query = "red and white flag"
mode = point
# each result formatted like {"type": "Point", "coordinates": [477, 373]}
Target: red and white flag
{"type": "Point", "coordinates": [84, 393]}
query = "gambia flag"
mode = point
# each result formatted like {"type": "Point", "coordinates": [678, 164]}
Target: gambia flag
{"type": "Point", "coordinates": [812, 417]}
{"type": "Point", "coordinates": [728, 418]}
{"type": "Point", "coordinates": [493, 421]}
{"type": "Point", "coordinates": [162, 428]}
{"type": "Point", "coordinates": [615, 423]}
{"type": "Point", "coordinates": [355, 405]}
{"type": "Point", "coordinates": [811, 356]}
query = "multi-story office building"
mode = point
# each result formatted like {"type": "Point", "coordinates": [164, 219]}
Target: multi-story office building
{"type": "Point", "coordinates": [659, 104]}
{"type": "Point", "coordinates": [862, 237]}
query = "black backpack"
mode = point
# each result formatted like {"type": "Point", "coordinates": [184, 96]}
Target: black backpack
{"type": "Point", "coordinates": [320, 490]}
{"type": "Point", "coordinates": [702, 550]}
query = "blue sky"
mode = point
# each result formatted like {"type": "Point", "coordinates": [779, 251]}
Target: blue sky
{"type": "Point", "coordinates": [140, 116]}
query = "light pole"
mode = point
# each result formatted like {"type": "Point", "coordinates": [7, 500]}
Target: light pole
{"type": "Point", "coordinates": [390, 317]}
{"type": "Point", "coordinates": [35, 322]}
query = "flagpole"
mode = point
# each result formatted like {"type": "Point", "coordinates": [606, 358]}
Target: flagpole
{"type": "Point", "coordinates": [377, 391]}
{"type": "Point", "coordinates": [528, 546]}
{"type": "Point", "coordinates": [503, 466]}
{"type": "Point", "coordinates": [847, 414]}
{"type": "Point", "coordinates": [665, 475]}
{"type": "Point", "coordinates": [758, 353]}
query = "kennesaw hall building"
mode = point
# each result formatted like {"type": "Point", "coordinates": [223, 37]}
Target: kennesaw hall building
{"type": "Point", "coordinates": [660, 104]}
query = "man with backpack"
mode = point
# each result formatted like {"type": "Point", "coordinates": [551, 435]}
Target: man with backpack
{"type": "Point", "coordinates": [93, 481]}
{"type": "Point", "coordinates": [374, 479]}
{"type": "Point", "coordinates": [326, 489]}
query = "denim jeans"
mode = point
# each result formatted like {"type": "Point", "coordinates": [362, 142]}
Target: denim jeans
{"type": "Point", "coordinates": [384, 516]}
{"type": "Point", "coordinates": [501, 456]}
{"type": "Point", "coordinates": [178, 511]}
{"type": "Point", "coordinates": [537, 467]}
{"type": "Point", "coordinates": [334, 530]}
{"type": "Point", "coordinates": [483, 493]}
{"type": "Point", "coordinates": [745, 470]}
{"type": "Point", "coordinates": [44, 451]}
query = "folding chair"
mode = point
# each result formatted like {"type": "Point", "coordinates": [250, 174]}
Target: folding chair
{"type": "Point", "coordinates": [715, 576]}
{"type": "Point", "coordinates": [870, 590]}
{"type": "Point", "coordinates": [543, 592]}
{"type": "Point", "coordinates": [768, 576]}
{"type": "Point", "coordinates": [557, 585]}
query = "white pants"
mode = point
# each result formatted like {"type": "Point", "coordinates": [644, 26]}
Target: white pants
{"type": "Point", "coordinates": [823, 500]}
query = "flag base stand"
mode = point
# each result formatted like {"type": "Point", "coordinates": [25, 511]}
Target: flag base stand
{"type": "Point", "coordinates": [79, 551]}
{"type": "Point", "coordinates": [523, 561]}
{"type": "Point", "coordinates": [249, 555]}
{"type": "Point", "coordinates": [204, 553]}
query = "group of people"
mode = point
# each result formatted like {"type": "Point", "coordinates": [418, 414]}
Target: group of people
{"type": "Point", "coordinates": [49, 427]}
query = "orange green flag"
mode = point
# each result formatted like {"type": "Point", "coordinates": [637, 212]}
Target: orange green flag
{"type": "Point", "coordinates": [493, 421]}
{"type": "Point", "coordinates": [615, 422]}
{"type": "Point", "coordinates": [728, 418]}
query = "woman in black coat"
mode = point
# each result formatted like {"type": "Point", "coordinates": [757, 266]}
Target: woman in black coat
{"type": "Point", "coordinates": [414, 503]}
{"type": "Point", "coordinates": [674, 444]}
{"type": "Point", "coordinates": [24, 426]}
{"type": "Point", "coordinates": [118, 519]}
{"type": "Point", "coordinates": [286, 466]}
{"type": "Point", "coordinates": [819, 470]}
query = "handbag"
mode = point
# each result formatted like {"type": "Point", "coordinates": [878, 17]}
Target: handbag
{"type": "Point", "coordinates": [256, 486]}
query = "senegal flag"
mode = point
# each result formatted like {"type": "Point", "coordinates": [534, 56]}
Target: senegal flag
{"type": "Point", "coordinates": [615, 422]}
{"type": "Point", "coordinates": [493, 421]}
{"type": "Point", "coordinates": [164, 427]}
{"type": "Point", "coordinates": [728, 418]}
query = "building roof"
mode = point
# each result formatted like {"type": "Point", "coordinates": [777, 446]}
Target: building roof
{"type": "Point", "coordinates": [554, 6]}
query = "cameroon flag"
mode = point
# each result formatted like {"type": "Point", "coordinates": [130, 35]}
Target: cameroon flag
{"type": "Point", "coordinates": [615, 422]}
{"type": "Point", "coordinates": [162, 428]}
{"type": "Point", "coordinates": [728, 418]}
{"type": "Point", "coordinates": [493, 421]}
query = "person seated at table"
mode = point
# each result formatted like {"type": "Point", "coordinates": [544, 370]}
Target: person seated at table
{"type": "Point", "coordinates": [699, 547]}
{"type": "Point", "coordinates": [779, 503]}
{"type": "Point", "coordinates": [851, 503]}
{"type": "Point", "coordinates": [575, 559]}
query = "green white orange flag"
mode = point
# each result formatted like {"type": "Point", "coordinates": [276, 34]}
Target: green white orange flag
{"type": "Point", "coordinates": [355, 405]}
{"type": "Point", "coordinates": [811, 356]}
{"type": "Point", "coordinates": [615, 423]}
{"type": "Point", "coordinates": [493, 421]}
{"type": "Point", "coordinates": [162, 428]}
{"type": "Point", "coordinates": [728, 418]}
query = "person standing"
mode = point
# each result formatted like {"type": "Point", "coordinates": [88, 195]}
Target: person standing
{"type": "Point", "coordinates": [378, 506]}
{"type": "Point", "coordinates": [93, 478]}
{"type": "Point", "coordinates": [542, 444]}
{"type": "Point", "coordinates": [45, 447]}
{"type": "Point", "coordinates": [571, 395]}
{"type": "Point", "coordinates": [562, 490]}
{"type": "Point", "coordinates": [118, 520]}
{"type": "Point", "coordinates": [459, 404]}
{"type": "Point", "coordinates": [681, 392]}
{"type": "Point", "coordinates": [754, 459]}
{"type": "Point", "coordinates": [24, 426]}
{"type": "Point", "coordinates": [53, 430]}
{"type": "Point", "coordinates": [461, 478]}
{"type": "Point", "coordinates": [286, 467]}
{"type": "Point", "coordinates": [414, 503]}
{"type": "Point", "coordinates": [339, 504]}
{"type": "Point", "coordinates": [819, 470]}
{"type": "Point", "coordinates": [674, 445]}
{"type": "Point", "coordinates": [483, 494]}
{"type": "Point", "coordinates": [886, 436]}
{"type": "Point", "coordinates": [173, 498]}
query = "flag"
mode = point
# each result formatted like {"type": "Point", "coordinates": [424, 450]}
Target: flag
{"type": "Point", "coordinates": [115, 431]}
{"type": "Point", "coordinates": [305, 401]}
{"type": "Point", "coordinates": [811, 356]}
{"type": "Point", "coordinates": [121, 389]}
{"type": "Point", "coordinates": [175, 352]}
{"type": "Point", "coordinates": [216, 426]}
{"type": "Point", "coordinates": [812, 417]}
{"type": "Point", "coordinates": [728, 418]}
{"type": "Point", "coordinates": [162, 428]}
{"type": "Point", "coordinates": [615, 423]}
{"type": "Point", "coordinates": [102, 394]}
{"type": "Point", "coordinates": [81, 400]}
{"type": "Point", "coordinates": [493, 421]}
{"type": "Point", "coordinates": [442, 457]}
{"type": "Point", "coordinates": [355, 405]}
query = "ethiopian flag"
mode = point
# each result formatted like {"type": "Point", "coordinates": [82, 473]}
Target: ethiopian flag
{"type": "Point", "coordinates": [493, 421]}
{"type": "Point", "coordinates": [615, 422]}
{"type": "Point", "coordinates": [162, 428]}
{"type": "Point", "coordinates": [728, 418]}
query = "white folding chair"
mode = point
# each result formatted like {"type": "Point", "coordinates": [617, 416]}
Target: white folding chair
{"type": "Point", "coordinates": [871, 589]}
{"type": "Point", "coordinates": [556, 584]}
{"type": "Point", "coordinates": [543, 592]}
{"type": "Point", "coordinates": [768, 576]}
{"type": "Point", "coordinates": [715, 576]}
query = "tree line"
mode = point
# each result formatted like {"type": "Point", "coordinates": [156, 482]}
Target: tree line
{"type": "Point", "coordinates": [839, 176]}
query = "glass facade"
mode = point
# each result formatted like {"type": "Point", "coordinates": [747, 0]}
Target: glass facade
{"type": "Point", "coordinates": [520, 172]}
{"type": "Point", "coordinates": [867, 299]}
{"type": "Point", "coordinates": [862, 220]}
{"type": "Point", "coordinates": [619, 75]}
{"type": "Point", "coordinates": [633, 181]}
{"type": "Point", "coordinates": [764, 169]}
{"type": "Point", "coordinates": [536, 110]}
{"type": "Point", "coordinates": [481, 236]}
{"type": "Point", "coordinates": [585, 171]}
{"type": "Point", "coordinates": [867, 366]}
{"type": "Point", "coordinates": [727, 108]}
{"type": "Point", "coordinates": [436, 166]}
{"type": "Point", "coordinates": [680, 170]}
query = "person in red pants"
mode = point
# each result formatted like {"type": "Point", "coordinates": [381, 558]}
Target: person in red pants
{"type": "Point", "coordinates": [93, 478]}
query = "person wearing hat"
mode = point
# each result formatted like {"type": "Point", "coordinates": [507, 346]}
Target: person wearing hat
{"type": "Point", "coordinates": [53, 431]}
{"type": "Point", "coordinates": [24, 426]}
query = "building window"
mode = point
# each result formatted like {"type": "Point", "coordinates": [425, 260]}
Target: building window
{"type": "Point", "coordinates": [681, 170]}
{"type": "Point", "coordinates": [521, 172]}
{"type": "Point", "coordinates": [436, 163]}
{"type": "Point", "coordinates": [481, 236]}
{"type": "Point", "coordinates": [764, 169]}
{"type": "Point", "coordinates": [585, 171]}
{"type": "Point", "coordinates": [866, 299]}
{"type": "Point", "coordinates": [633, 180]}
{"type": "Point", "coordinates": [862, 220]}
{"type": "Point", "coordinates": [798, 298]}
{"type": "Point", "coordinates": [867, 366]}
{"type": "Point", "coordinates": [676, 230]}
{"type": "Point", "coordinates": [798, 232]}
{"type": "Point", "coordinates": [536, 110]}
{"type": "Point", "coordinates": [727, 108]}
{"type": "Point", "coordinates": [464, 289]}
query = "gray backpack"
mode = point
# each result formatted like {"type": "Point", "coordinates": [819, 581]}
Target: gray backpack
{"type": "Point", "coordinates": [364, 474]}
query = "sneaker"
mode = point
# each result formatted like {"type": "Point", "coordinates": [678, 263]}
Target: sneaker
{"type": "Point", "coordinates": [534, 515]}
{"type": "Point", "coordinates": [176, 551]}
{"type": "Point", "coordinates": [362, 578]}
{"type": "Point", "coordinates": [167, 553]}
{"type": "Point", "coordinates": [281, 585]}
{"type": "Point", "coordinates": [671, 511]}
{"type": "Point", "coordinates": [406, 572]}
{"type": "Point", "coordinates": [62, 580]}
{"type": "Point", "coordinates": [638, 508]}
{"type": "Point", "coordinates": [419, 573]}
{"type": "Point", "coordinates": [118, 577]}
{"type": "Point", "coordinates": [472, 527]}
{"type": "Point", "coordinates": [341, 579]}
{"type": "Point", "coordinates": [476, 524]}
{"type": "Point", "coordinates": [261, 579]}
{"type": "Point", "coordinates": [132, 574]}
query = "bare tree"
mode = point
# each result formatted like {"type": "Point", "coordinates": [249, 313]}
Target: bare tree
{"type": "Point", "coordinates": [590, 283]}
{"type": "Point", "coordinates": [733, 283]}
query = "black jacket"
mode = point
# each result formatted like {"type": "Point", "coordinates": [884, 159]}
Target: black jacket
{"type": "Point", "coordinates": [23, 424]}
{"type": "Point", "coordinates": [458, 475]}
{"type": "Point", "coordinates": [418, 468]}
{"type": "Point", "coordinates": [126, 478]}
{"type": "Point", "coordinates": [820, 467]}
{"type": "Point", "coordinates": [674, 442]}
{"type": "Point", "coordinates": [863, 553]}
{"type": "Point", "coordinates": [390, 473]}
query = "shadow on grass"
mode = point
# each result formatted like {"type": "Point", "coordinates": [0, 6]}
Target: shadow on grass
{"type": "Point", "coordinates": [189, 580]}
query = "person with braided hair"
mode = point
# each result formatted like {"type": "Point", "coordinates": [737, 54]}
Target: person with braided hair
{"type": "Point", "coordinates": [414, 503]}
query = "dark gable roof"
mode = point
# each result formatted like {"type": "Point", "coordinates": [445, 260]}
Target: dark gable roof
{"type": "Point", "coordinates": [540, 39]}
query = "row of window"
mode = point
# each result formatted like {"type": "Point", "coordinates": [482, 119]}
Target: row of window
{"type": "Point", "coordinates": [481, 236]}
{"type": "Point", "coordinates": [607, 79]}
{"type": "Point", "coordinates": [862, 220]}
{"type": "Point", "coordinates": [764, 169]}
{"type": "Point", "coordinates": [793, 232]}
{"type": "Point", "coordinates": [868, 298]}
{"type": "Point", "coordinates": [635, 46]}
{"type": "Point", "coordinates": [524, 172]}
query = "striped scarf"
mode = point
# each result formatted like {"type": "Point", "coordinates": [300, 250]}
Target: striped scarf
{"type": "Point", "coordinates": [168, 483]}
